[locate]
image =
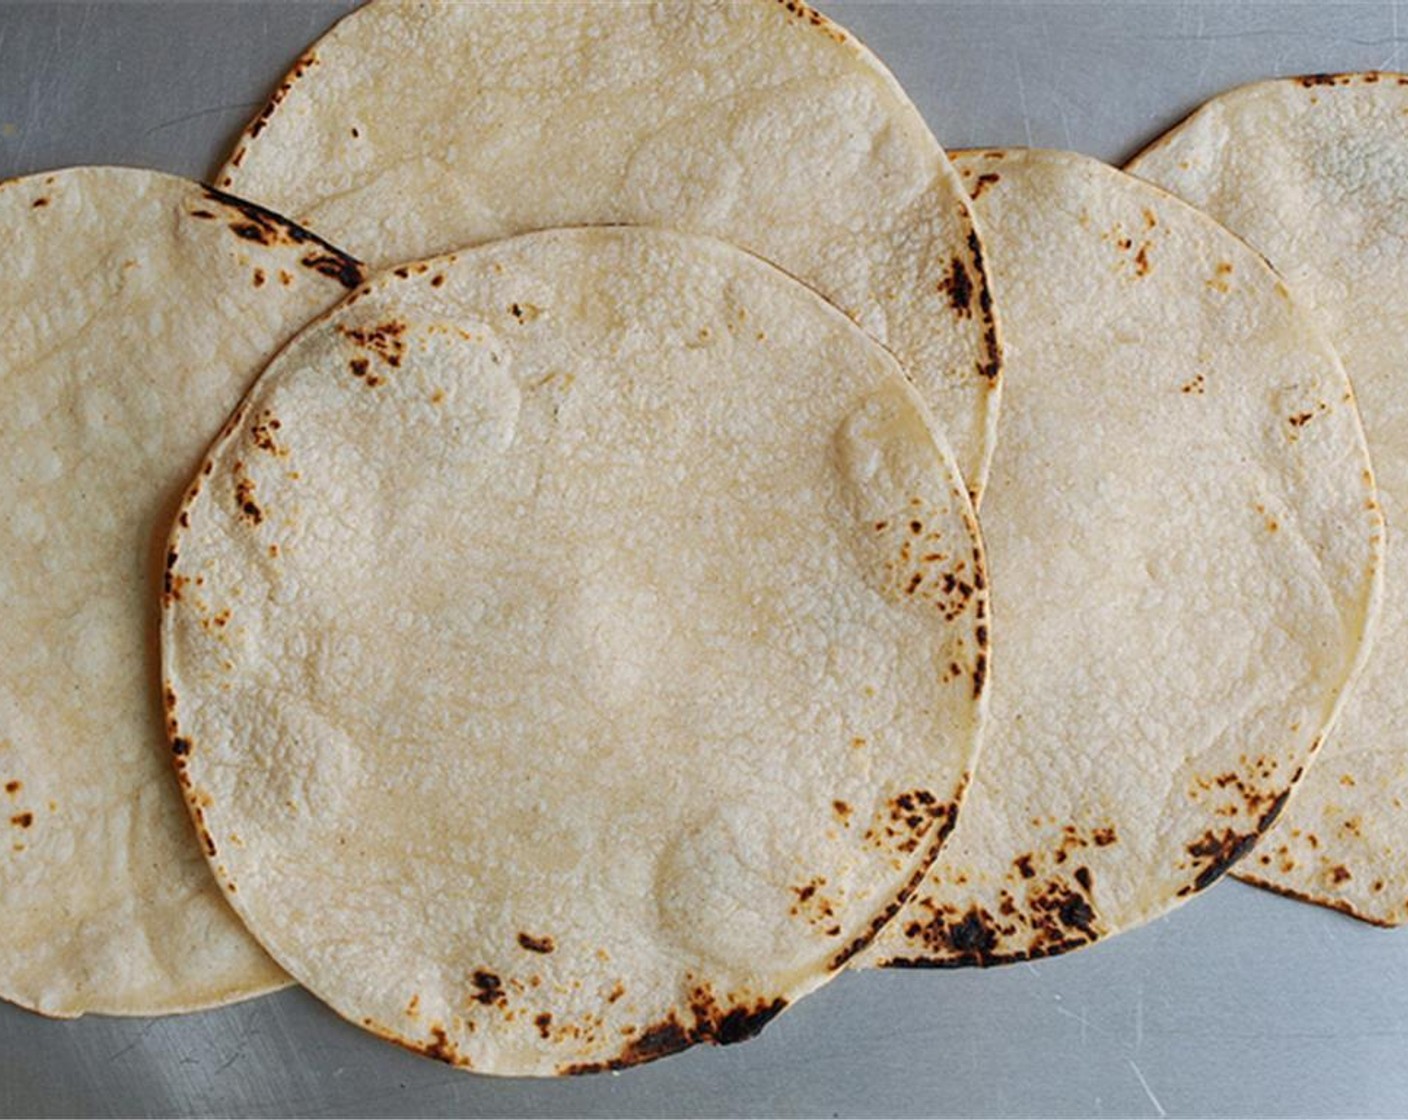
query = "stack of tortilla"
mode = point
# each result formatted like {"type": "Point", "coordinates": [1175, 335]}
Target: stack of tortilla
{"type": "Point", "coordinates": [571, 635]}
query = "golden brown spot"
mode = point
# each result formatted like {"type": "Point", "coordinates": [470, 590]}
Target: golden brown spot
{"type": "Point", "coordinates": [13, 787]}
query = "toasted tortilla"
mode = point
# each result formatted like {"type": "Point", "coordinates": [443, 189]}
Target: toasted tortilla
{"type": "Point", "coordinates": [576, 649]}
{"type": "Point", "coordinates": [1185, 553]}
{"type": "Point", "coordinates": [1313, 171]}
{"type": "Point", "coordinates": [413, 129]}
{"type": "Point", "coordinates": [137, 309]}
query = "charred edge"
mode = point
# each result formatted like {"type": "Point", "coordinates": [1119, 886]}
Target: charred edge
{"type": "Point", "coordinates": [671, 1036]}
{"type": "Point", "coordinates": [269, 228]}
{"type": "Point", "coordinates": [991, 367]}
{"type": "Point", "coordinates": [180, 747]}
{"type": "Point", "coordinates": [338, 266]}
{"type": "Point", "coordinates": [980, 675]}
{"type": "Point", "coordinates": [946, 817]}
{"type": "Point", "coordinates": [256, 126]}
{"type": "Point", "coordinates": [1221, 852]}
{"type": "Point", "coordinates": [536, 944]}
{"type": "Point", "coordinates": [1337, 904]}
{"type": "Point", "coordinates": [1268, 818]}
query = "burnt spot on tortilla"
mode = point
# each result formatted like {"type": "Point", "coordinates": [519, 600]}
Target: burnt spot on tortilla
{"type": "Point", "coordinates": [958, 286]}
{"type": "Point", "coordinates": [814, 19]}
{"type": "Point", "coordinates": [385, 340]}
{"type": "Point", "coordinates": [533, 944]}
{"type": "Point", "coordinates": [1150, 218]}
{"type": "Point", "coordinates": [259, 277]}
{"type": "Point", "coordinates": [1059, 916]}
{"type": "Point", "coordinates": [1023, 864]}
{"type": "Point", "coordinates": [442, 1048]}
{"type": "Point", "coordinates": [356, 133]}
{"type": "Point", "coordinates": [982, 183]}
{"type": "Point", "coordinates": [1338, 874]}
{"type": "Point", "coordinates": [842, 810]}
{"type": "Point", "coordinates": [413, 1007]}
{"type": "Point", "coordinates": [39, 203]}
{"type": "Point", "coordinates": [250, 510]}
{"type": "Point", "coordinates": [437, 280]}
{"type": "Point", "coordinates": [544, 1024]}
{"type": "Point", "coordinates": [13, 786]}
{"type": "Point", "coordinates": [336, 265]}
{"type": "Point", "coordinates": [488, 989]}
{"type": "Point", "coordinates": [22, 820]}
{"type": "Point", "coordinates": [1195, 387]}
{"type": "Point", "coordinates": [901, 824]}
{"type": "Point", "coordinates": [261, 434]}
{"type": "Point", "coordinates": [1301, 419]}
{"type": "Point", "coordinates": [980, 675]}
{"type": "Point", "coordinates": [180, 747]}
{"type": "Point", "coordinates": [1141, 260]}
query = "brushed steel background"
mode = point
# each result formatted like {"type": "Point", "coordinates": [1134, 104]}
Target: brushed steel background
{"type": "Point", "coordinates": [1240, 1003]}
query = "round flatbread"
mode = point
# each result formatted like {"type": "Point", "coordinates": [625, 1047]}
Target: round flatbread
{"type": "Point", "coordinates": [1313, 171]}
{"type": "Point", "coordinates": [1185, 552]}
{"type": "Point", "coordinates": [413, 129]}
{"type": "Point", "coordinates": [137, 309]}
{"type": "Point", "coordinates": [577, 649]}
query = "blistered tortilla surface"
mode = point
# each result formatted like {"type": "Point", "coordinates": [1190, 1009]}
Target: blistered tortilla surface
{"type": "Point", "coordinates": [577, 649]}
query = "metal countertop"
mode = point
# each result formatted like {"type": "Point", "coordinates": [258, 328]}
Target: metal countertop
{"type": "Point", "coordinates": [1239, 1003]}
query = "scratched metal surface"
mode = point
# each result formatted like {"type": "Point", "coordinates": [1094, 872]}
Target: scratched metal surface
{"type": "Point", "coordinates": [1241, 1003]}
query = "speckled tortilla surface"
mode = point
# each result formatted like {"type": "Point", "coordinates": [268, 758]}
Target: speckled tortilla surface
{"type": "Point", "coordinates": [1313, 172]}
{"type": "Point", "coordinates": [1185, 550]}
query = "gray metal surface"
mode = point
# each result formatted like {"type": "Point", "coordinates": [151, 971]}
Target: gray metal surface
{"type": "Point", "coordinates": [1241, 1003]}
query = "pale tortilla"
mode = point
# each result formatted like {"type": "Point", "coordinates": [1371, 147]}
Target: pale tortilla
{"type": "Point", "coordinates": [1313, 171]}
{"type": "Point", "coordinates": [137, 309]}
{"type": "Point", "coordinates": [577, 649]}
{"type": "Point", "coordinates": [1185, 554]}
{"type": "Point", "coordinates": [413, 129]}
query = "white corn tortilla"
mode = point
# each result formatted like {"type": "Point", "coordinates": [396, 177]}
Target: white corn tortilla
{"type": "Point", "coordinates": [1185, 554]}
{"type": "Point", "coordinates": [137, 309]}
{"type": "Point", "coordinates": [1313, 171]}
{"type": "Point", "coordinates": [577, 649]}
{"type": "Point", "coordinates": [413, 129]}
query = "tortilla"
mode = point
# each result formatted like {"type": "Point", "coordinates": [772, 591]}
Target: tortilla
{"type": "Point", "coordinates": [1313, 171]}
{"type": "Point", "coordinates": [1185, 554]}
{"type": "Point", "coordinates": [137, 309]}
{"type": "Point", "coordinates": [575, 650]}
{"type": "Point", "coordinates": [415, 129]}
